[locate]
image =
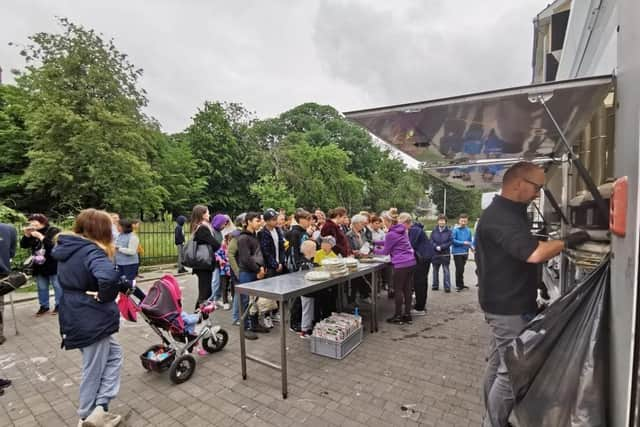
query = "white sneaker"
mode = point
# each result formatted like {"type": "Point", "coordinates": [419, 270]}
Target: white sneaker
{"type": "Point", "coordinates": [95, 419]}
{"type": "Point", "coordinates": [111, 419]}
{"type": "Point", "coordinates": [218, 303]}
{"type": "Point", "coordinates": [226, 306]}
{"type": "Point", "coordinates": [415, 312]}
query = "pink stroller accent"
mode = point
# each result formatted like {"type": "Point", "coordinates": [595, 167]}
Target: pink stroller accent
{"type": "Point", "coordinates": [162, 310]}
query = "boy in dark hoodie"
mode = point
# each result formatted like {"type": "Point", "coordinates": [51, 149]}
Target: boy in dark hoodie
{"type": "Point", "coordinates": [251, 267]}
{"type": "Point", "coordinates": [179, 241]}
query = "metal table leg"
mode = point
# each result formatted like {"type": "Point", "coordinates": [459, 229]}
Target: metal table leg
{"type": "Point", "coordinates": [13, 313]}
{"type": "Point", "coordinates": [374, 301]}
{"type": "Point", "coordinates": [243, 349]}
{"type": "Point", "coordinates": [284, 316]}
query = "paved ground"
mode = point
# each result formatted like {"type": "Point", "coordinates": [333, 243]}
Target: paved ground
{"type": "Point", "coordinates": [427, 373]}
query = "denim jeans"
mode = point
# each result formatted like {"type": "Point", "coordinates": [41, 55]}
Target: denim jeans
{"type": "Point", "coordinates": [216, 292]}
{"type": "Point", "coordinates": [43, 283]}
{"type": "Point", "coordinates": [436, 276]}
{"type": "Point", "coordinates": [245, 277]}
{"type": "Point", "coordinates": [497, 392]}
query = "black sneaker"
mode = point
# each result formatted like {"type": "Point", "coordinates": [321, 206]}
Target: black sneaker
{"type": "Point", "coordinates": [4, 383]}
{"type": "Point", "coordinates": [42, 311]}
{"type": "Point", "coordinates": [447, 291]}
{"type": "Point", "coordinates": [435, 289]}
{"type": "Point", "coordinates": [407, 319]}
{"type": "Point", "coordinates": [54, 311]}
{"type": "Point", "coordinates": [259, 329]}
{"type": "Point", "coordinates": [250, 335]}
{"type": "Point", "coordinates": [182, 270]}
{"type": "Point", "coordinates": [2, 339]}
{"type": "Point", "coordinates": [395, 319]}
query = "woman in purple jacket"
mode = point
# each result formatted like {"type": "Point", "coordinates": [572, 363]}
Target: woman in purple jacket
{"type": "Point", "coordinates": [397, 244]}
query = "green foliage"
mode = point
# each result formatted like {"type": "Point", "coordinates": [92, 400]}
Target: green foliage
{"type": "Point", "coordinates": [179, 174]}
{"type": "Point", "coordinates": [362, 176]}
{"type": "Point", "coordinates": [317, 175]}
{"type": "Point", "coordinates": [14, 144]}
{"type": "Point", "coordinates": [273, 194]}
{"type": "Point", "coordinates": [11, 216]}
{"type": "Point", "coordinates": [458, 200]}
{"type": "Point", "coordinates": [91, 143]}
{"type": "Point", "coordinates": [73, 135]}
{"type": "Point", "coordinates": [218, 155]}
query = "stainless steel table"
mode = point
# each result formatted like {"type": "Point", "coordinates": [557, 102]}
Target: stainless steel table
{"type": "Point", "coordinates": [288, 286]}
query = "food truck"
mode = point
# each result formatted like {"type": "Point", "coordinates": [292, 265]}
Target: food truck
{"type": "Point", "coordinates": [580, 120]}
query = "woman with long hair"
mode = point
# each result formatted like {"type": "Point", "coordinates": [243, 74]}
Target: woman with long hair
{"type": "Point", "coordinates": [89, 315]}
{"type": "Point", "coordinates": [39, 238]}
{"type": "Point", "coordinates": [203, 235]}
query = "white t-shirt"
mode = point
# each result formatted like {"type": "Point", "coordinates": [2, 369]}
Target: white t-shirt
{"type": "Point", "coordinates": [274, 236]}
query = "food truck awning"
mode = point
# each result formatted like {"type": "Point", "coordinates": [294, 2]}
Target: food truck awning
{"type": "Point", "coordinates": [470, 139]}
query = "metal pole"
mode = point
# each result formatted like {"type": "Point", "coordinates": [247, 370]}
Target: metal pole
{"type": "Point", "coordinates": [243, 349]}
{"type": "Point", "coordinates": [444, 208]}
{"type": "Point", "coordinates": [564, 204]}
{"type": "Point", "coordinates": [13, 313]}
{"type": "Point", "coordinates": [582, 171]}
{"type": "Point", "coordinates": [284, 316]}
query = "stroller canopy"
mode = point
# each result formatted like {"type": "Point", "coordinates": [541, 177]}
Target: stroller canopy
{"type": "Point", "coordinates": [163, 304]}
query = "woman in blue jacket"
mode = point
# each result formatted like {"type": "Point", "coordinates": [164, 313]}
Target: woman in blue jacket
{"type": "Point", "coordinates": [89, 315]}
{"type": "Point", "coordinates": [441, 240]}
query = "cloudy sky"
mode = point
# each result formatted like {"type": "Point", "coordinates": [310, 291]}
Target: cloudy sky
{"type": "Point", "coordinates": [273, 55]}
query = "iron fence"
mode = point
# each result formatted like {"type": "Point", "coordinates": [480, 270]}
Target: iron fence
{"type": "Point", "coordinates": [157, 245]}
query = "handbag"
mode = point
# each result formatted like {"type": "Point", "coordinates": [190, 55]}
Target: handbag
{"type": "Point", "coordinates": [197, 256]}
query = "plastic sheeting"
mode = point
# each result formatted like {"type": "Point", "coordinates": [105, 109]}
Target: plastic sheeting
{"type": "Point", "coordinates": [558, 363]}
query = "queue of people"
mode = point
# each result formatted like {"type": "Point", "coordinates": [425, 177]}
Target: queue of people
{"type": "Point", "coordinates": [263, 245]}
{"type": "Point", "coordinates": [89, 266]}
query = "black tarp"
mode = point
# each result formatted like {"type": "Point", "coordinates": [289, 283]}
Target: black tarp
{"type": "Point", "coordinates": [558, 363]}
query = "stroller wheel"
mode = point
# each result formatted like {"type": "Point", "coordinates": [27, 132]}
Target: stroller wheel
{"type": "Point", "coordinates": [182, 368]}
{"type": "Point", "coordinates": [214, 346]}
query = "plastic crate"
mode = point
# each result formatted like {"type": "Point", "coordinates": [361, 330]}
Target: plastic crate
{"type": "Point", "coordinates": [336, 349]}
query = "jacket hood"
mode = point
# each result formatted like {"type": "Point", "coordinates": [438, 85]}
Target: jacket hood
{"type": "Point", "coordinates": [68, 244]}
{"type": "Point", "coordinates": [398, 229]}
{"type": "Point", "coordinates": [417, 225]}
{"type": "Point", "coordinates": [219, 221]}
{"type": "Point", "coordinates": [181, 220]}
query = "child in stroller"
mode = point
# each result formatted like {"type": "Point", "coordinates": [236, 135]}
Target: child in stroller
{"type": "Point", "coordinates": [162, 310]}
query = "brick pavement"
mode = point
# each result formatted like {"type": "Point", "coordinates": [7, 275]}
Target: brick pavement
{"type": "Point", "coordinates": [432, 368]}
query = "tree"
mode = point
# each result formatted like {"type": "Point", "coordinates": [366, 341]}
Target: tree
{"type": "Point", "coordinates": [91, 142]}
{"type": "Point", "coordinates": [391, 185]}
{"type": "Point", "coordinates": [14, 144]}
{"type": "Point", "coordinates": [179, 174]}
{"type": "Point", "coordinates": [273, 193]}
{"type": "Point", "coordinates": [459, 200]}
{"type": "Point", "coordinates": [219, 158]}
{"type": "Point", "coordinates": [318, 176]}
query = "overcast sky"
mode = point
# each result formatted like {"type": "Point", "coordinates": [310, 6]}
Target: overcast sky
{"type": "Point", "coordinates": [273, 55]}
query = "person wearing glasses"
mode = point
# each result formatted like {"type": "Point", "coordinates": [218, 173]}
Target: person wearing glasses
{"type": "Point", "coordinates": [508, 256]}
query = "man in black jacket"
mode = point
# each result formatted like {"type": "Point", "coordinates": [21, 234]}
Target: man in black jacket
{"type": "Point", "coordinates": [296, 236]}
{"type": "Point", "coordinates": [507, 254]}
{"type": "Point", "coordinates": [251, 266]}
{"type": "Point", "coordinates": [272, 244]}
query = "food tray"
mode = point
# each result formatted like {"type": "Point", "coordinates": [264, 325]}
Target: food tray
{"type": "Point", "coordinates": [336, 349]}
